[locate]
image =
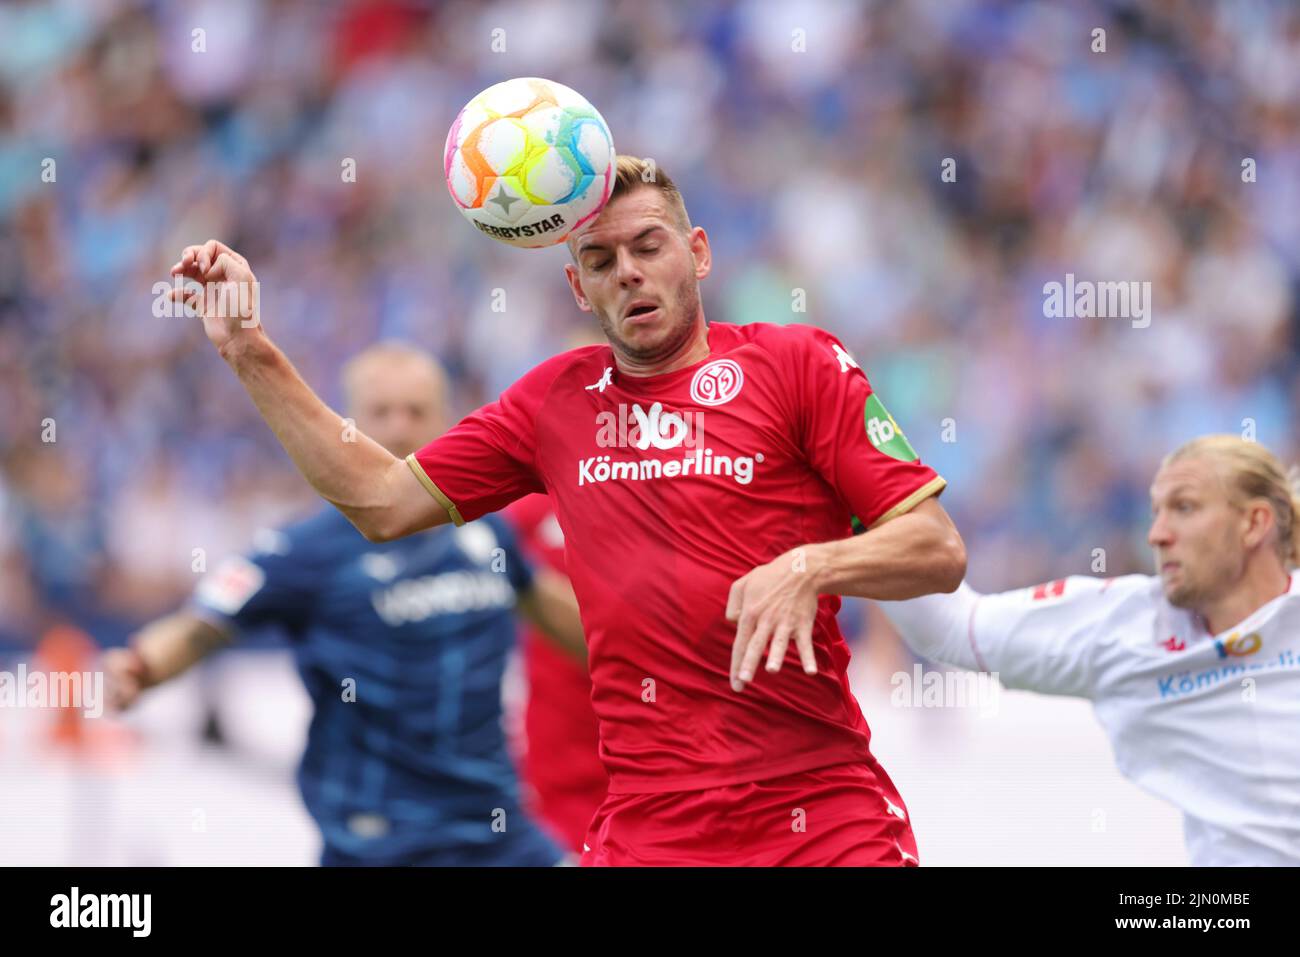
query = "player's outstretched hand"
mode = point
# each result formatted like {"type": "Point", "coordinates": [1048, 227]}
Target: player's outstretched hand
{"type": "Point", "coordinates": [226, 295]}
{"type": "Point", "coordinates": [774, 602]}
{"type": "Point", "coordinates": [125, 677]}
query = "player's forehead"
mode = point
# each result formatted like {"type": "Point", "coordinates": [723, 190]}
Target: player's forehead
{"type": "Point", "coordinates": [626, 218]}
{"type": "Point", "coordinates": [1194, 475]}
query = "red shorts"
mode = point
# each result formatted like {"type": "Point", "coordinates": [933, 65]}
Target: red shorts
{"type": "Point", "coordinates": [844, 815]}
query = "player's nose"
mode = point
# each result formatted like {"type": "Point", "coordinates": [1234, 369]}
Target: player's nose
{"type": "Point", "coordinates": [1158, 534]}
{"type": "Point", "coordinates": [629, 275]}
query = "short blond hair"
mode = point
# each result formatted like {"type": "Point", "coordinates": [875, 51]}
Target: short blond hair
{"type": "Point", "coordinates": [1253, 472]}
{"type": "Point", "coordinates": [632, 173]}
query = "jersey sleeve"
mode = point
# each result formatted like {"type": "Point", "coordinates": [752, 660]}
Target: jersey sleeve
{"type": "Point", "coordinates": [272, 584]}
{"type": "Point", "coordinates": [850, 438]}
{"type": "Point", "coordinates": [1050, 638]}
{"type": "Point", "coordinates": [488, 459]}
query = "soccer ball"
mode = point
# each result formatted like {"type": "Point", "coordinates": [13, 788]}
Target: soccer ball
{"type": "Point", "coordinates": [529, 161]}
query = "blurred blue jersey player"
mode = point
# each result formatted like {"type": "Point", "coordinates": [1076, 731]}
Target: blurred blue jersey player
{"type": "Point", "coordinates": [401, 646]}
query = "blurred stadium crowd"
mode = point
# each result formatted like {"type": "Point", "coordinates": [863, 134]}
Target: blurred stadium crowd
{"type": "Point", "coordinates": [813, 159]}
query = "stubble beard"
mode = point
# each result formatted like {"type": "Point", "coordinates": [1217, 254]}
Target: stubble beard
{"type": "Point", "coordinates": [1212, 582]}
{"type": "Point", "coordinates": [683, 312]}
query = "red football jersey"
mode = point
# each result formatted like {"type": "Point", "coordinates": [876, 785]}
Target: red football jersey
{"type": "Point", "coordinates": [561, 759]}
{"type": "Point", "coordinates": [668, 488]}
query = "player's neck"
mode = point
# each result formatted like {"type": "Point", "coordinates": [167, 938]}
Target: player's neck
{"type": "Point", "coordinates": [1255, 591]}
{"type": "Point", "coordinates": [694, 348]}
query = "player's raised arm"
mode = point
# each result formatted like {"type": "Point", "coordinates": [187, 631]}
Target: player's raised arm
{"type": "Point", "coordinates": [1046, 638]}
{"type": "Point", "coordinates": [377, 491]}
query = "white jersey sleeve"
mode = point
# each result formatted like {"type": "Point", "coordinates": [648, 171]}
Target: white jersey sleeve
{"type": "Point", "coordinates": [1047, 638]}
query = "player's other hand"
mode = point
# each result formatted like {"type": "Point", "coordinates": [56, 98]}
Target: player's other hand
{"type": "Point", "coordinates": [773, 603]}
{"type": "Point", "coordinates": [225, 297]}
{"type": "Point", "coordinates": [125, 676]}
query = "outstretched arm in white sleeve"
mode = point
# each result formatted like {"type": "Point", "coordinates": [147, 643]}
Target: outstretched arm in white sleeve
{"type": "Point", "coordinates": [1046, 638]}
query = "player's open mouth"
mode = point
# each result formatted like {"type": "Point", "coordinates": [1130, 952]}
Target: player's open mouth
{"type": "Point", "coordinates": [640, 311]}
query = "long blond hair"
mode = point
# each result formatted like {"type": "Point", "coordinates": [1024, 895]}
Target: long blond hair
{"type": "Point", "coordinates": [1253, 472]}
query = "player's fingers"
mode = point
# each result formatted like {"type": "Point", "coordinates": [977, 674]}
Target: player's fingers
{"type": "Point", "coordinates": [804, 642]}
{"type": "Point", "coordinates": [123, 692]}
{"type": "Point", "coordinates": [221, 268]}
{"type": "Point", "coordinates": [180, 292]}
{"type": "Point", "coordinates": [736, 599]}
{"type": "Point", "coordinates": [208, 255]}
{"type": "Point", "coordinates": [127, 701]}
{"type": "Point", "coordinates": [192, 296]}
{"type": "Point", "coordinates": [122, 687]}
{"type": "Point", "coordinates": [780, 641]}
{"type": "Point", "coordinates": [754, 649]}
{"type": "Point", "coordinates": [188, 297]}
{"type": "Point", "coordinates": [188, 261]}
{"type": "Point", "coordinates": [744, 628]}
{"type": "Point", "coordinates": [213, 249]}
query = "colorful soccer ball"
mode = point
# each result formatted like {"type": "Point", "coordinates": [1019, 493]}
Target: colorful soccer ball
{"type": "Point", "coordinates": [529, 161]}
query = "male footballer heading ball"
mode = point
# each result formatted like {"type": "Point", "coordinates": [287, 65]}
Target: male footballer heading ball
{"type": "Point", "coordinates": [702, 542]}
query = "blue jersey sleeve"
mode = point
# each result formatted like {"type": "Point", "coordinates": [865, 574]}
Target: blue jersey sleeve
{"type": "Point", "coordinates": [273, 584]}
{"type": "Point", "coordinates": [516, 567]}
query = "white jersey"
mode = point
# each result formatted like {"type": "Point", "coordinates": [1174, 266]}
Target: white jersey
{"type": "Point", "coordinates": [1208, 722]}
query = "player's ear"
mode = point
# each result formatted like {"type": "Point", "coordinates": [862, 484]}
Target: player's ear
{"type": "Point", "coordinates": [699, 241]}
{"type": "Point", "coordinates": [1257, 522]}
{"type": "Point", "coordinates": [575, 284]}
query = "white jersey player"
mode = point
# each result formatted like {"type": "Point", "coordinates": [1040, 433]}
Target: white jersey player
{"type": "Point", "coordinates": [1194, 673]}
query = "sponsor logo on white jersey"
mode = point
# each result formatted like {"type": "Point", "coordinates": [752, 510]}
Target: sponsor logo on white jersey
{"type": "Point", "coordinates": [1230, 674]}
{"type": "Point", "coordinates": [717, 382]}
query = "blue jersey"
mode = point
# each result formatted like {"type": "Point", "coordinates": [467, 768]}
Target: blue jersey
{"type": "Point", "coordinates": [402, 646]}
